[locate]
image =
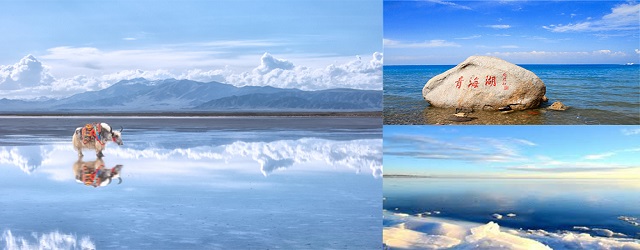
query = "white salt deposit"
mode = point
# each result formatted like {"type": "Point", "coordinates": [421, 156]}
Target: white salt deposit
{"type": "Point", "coordinates": [602, 232]}
{"type": "Point", "coordinates": [412, 232]}
{"type": "Point", "coordinates": [631, 220]}
{"type": "Point", "coordinates": [511, 215]}
{"type": "Point", "coordinates": [497, 216]}
{"type": "Point", "coordinates": [409, 239]}
{"type": "Point", "coordinates": [627, 218]}
{"type": "Point", "coordinates": [568, 240]}
{"type": "Point", "coordinates": [581, 228]}
{"type": "Point", "coordinates": [489, 236]}
{"type": "Point", "coordinates": [427, 213]}
{"type": "Point", "coordinates": [619, 234]}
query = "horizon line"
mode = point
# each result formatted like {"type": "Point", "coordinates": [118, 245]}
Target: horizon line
{"type": "Point", "coordinates": [501, 177]}
{"type": "Point", "coordinates": [620, 64]}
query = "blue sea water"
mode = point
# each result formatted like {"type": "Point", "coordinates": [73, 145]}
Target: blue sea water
{"type": "Point", "coordinates": [195, 183]}
{"type": "Point", "coordinates": [548, 204]}
{"type": "Point", "coordinates": [596, 94]}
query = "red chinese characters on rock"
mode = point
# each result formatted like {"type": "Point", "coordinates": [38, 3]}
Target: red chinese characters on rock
{"type": "Point", "coordinates": [504, 81]}
{"type": "Point", "coordinates": [459, 82]}
{"type": "Point", "coordinates": [473, 83]}
{"type": "Point", "coordinates": [490, 81]}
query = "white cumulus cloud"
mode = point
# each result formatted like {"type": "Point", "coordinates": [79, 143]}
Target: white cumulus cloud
{"type": "Point", "coordinates": [29, 78]}
{"type": "Point", "coordinates": [269, 63]}
{"type": "Point", "coordinates": [26, 73]}
{"type": "Point", "coordinates": [358, 74]}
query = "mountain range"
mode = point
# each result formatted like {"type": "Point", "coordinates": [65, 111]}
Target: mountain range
{"type": "Point", "coordinates": [171, 95]}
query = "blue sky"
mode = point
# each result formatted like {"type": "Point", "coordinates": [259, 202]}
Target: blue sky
{"type": "Point", "coordinates": [79, 42]}
{"type": "Point", "coordinates": [447, 32]}
{"type": "Point", "coordinates": [513, 151]}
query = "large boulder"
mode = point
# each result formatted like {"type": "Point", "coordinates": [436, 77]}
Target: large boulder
{"type": "Point", "coordinates": [487, 83]}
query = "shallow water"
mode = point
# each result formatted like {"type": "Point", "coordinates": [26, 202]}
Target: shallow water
{"type": "Point", "coordinates": [213, 183]}
{"type": "Point", "coordinates": [596, 94]}
{"type": "Point", "coordinates": [548, 204]}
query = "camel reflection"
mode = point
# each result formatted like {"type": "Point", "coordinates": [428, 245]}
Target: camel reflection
{"type": "Point", "coordinates": [93, 173]}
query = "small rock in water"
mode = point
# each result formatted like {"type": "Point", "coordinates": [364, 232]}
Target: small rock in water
{"type": "Point", "coordinates": [558, 106]}
{"type": "Point", "coordinates": [511, 215]}
{"type": "Point", "coordinates": [396, 209]}
{"type": "Point", "coordinates": [497, 216]}
{"type": "Point", "coordinates": [460, 118]}
{"type": "Point", "coordinates": [464, 110]}
{"type": "Point", "coordinates": [436, 212]}
{"type": "Point", "coordinates": [427, 213]}
{"type": "Point", "coordinates": [507, 111]}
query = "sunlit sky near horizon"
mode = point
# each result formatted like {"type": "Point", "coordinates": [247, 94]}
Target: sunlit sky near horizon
{"type": "Point", "coordinates": [513, 151]}
{"type": "Point", "coordinates": [80, 46]}
{"type": "Point", "coordinates": [525, 32]}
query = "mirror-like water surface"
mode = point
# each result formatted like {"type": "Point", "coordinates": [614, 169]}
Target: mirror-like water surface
{"type": "Point", "coordinates": [215, 183]}
{"type": "Point", "coordinates": [548, 204]}
{"type": "Point", "coordinates": [596, 94]}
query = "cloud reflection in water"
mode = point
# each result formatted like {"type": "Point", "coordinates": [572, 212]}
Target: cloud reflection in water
{"type": "Point", "coordinates": [270, 156]}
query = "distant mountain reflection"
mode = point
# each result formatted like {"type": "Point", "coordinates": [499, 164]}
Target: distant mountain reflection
{"type": "Point", "coordinates": [359, 155]}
